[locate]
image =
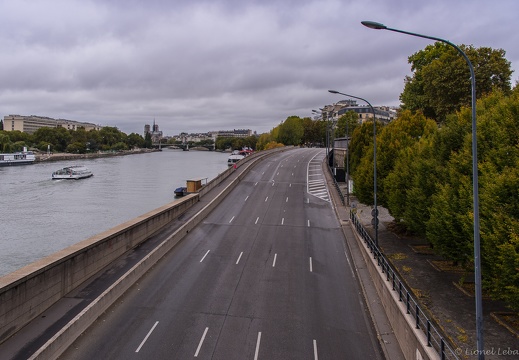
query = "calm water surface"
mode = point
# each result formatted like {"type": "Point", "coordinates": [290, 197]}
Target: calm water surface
{"type": "Point", "coordinates": [39, 216]}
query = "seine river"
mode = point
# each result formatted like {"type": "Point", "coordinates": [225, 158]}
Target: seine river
{"type": "Point", "coordinates": [39, 216]}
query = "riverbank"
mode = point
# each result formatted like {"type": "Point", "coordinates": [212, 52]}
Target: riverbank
{"type": "Point", "coordinates": [66, 156]}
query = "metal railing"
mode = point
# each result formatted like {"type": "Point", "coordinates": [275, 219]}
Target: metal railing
{"type": "Point", "coordinates": [422, 322]}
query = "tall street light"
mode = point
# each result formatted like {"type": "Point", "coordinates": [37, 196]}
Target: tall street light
{"type": "Point", "coordinates": [375, 210]}
{"type": "Point", "coordinates": [475, 186]}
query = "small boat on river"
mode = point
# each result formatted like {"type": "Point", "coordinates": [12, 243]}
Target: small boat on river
{"type": "Point", "coordinates": [181, 191]}
{"type": "Point", "coordinates": [75, 172]}
{"type": "Point", "coordinates": [19, 158]}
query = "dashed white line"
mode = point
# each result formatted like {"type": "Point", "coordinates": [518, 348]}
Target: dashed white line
{"type": "Point", "coordinates": [205, 255]}
{"type": "Point", "coordinates": [315, 350]}
{"type": "Point", "coordinates": [239, 257]}
{"type": "Point", "coordinates": [147, 336]}
{"type": "Point", "coordinates": [274, 262]}
{"type": "Point", "coordinates": [230, 221]}
{"type": "Point", "coordinates": [246, 197]}
{"type": "Point", "coordinates": [257, 346]}
{"type": "Point", "coordinates": [257, 219]}
{"type": "Point", "coordinates": [308, 223]}
{"type": "Point", "coordinates": [286, 199]}
{"type": "Point", "coordinates": [201, 342]}
{"type": "Point", "coordinates": [266, 199]}
{"type": "Point", "coordinates": [311, 270]}
{"type": "Point", "coordinates": [282, 221]}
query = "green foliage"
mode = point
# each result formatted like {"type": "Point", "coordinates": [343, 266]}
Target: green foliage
{"type": "Point", "coordinates": [347, 122]}
{"type": "Point", "coordinates": [291, 131]}
{"type": "Point", "coordinates": [424, 174]}
{"type": "Point", "coordinates": [440, 84]}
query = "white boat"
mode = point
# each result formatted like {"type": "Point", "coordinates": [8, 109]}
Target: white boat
{"type": "Point", "coordinates": [233, 159]}
{"type": "Point", "coordinates": [237, 155]}
{"type": "Point", "coordinates": [19, 158]}
{"type": "Point", "coordinates": [75, 172]}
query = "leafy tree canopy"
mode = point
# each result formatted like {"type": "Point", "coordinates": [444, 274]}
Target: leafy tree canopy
{"type": "Point", "coordinates": [440, 84]}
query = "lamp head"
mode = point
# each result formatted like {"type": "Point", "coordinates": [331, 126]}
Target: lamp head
{"type": "Point", "coordinates": [374, 25]}
{"type": "Point", "coordinates": [333, 91]}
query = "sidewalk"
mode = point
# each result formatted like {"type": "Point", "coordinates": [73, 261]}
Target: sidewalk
{"type": "Point", "coordinates": [452, 307]}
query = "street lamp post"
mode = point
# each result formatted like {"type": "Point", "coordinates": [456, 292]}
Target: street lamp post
{"type": "Point", "coordinates": [475, 186]}
{"type": "Point", "coordinates": [375, 209]}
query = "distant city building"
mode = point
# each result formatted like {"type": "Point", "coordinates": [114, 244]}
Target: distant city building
{"type": "Point", "coordinates": [29, 124]}
{"type": "Point", "coordinates": [383, 113]}
{"type": "Point", "coordinates": [234, 133]}
{"type": "Point", "coordinates": [156, 135]}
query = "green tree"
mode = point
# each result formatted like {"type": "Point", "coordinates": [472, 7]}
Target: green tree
{"type": "Point", "coordinates": [348, 121]}
{"type": "Point", "coordinates": [291, 131]}
{"type": "Point", "coordinates": [147, 141]}
{"type": "Point", "coordinates": [58, 137]}
{"type": "Point", "coordinates": [440, 84]}
{"type": "Point", "coordinates": [135, 140]}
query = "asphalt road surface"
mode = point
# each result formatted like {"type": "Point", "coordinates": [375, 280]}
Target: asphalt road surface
{"type": "Point", "coordinates": [265, 276]}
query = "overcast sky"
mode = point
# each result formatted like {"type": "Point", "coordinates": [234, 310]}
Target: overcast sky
{"type": "Point", "coordinates": [198, 66]}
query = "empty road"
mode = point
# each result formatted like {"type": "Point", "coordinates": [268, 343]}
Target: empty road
{"type": "Point", "coordinates": [265, 276]}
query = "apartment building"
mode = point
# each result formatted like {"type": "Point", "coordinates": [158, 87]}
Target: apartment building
{"type": "Point", "coordinates": [29, 124]}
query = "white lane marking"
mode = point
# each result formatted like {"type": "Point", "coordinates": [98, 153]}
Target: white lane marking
{"type": "Point", "coordinates": [147, 336]}
{"type": "Point", "coordinates": [205, 255]}
{"type": "Point", "coordinates": [282, 221]}
{"type": "Point", "coordinates": [257, 219]}
{"type": "Point", "coordinates": [286, 199]}
{"type": "Point", "coordinates": [274, 262]}
{"type": "Point", "coordinates": [290, 185]}
{"type": "Point", "coordinates": [311, 270]}
{"type": "Point", "coordinates": [246, 197]}
{"type": "Point", "coordinates": [315, 350]}
{"type": "Point", "coordinates": [266, 199]}
{"type": "Point", "coordinates": [273, 182]}
{"type": "Point", "coordinates": [277, 173]}
{"type": "Point", "coordinates": [308, 223]}
{"type": "Point", "coordinates": [239, 257]}
{"type": "Point", "coordinates": [201, 342]}
{"type": "Point", "coordinates": [308, 200]}
{"type": "Point", "coordinates": [292, 174]}
{"type": "Point", "coordinates": [257, 346]}
{"type": "Point", "coordinates": [256, 184]}
{"type": "Point", "coordinates": [230, 221]}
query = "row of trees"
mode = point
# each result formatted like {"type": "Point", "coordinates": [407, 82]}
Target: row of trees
{"type": "Point", "coordinates": [424, 162]}
{"type": "Point", "coordinates": [306, 131]}
{"type": "Point", "coordinates": [73, 141]}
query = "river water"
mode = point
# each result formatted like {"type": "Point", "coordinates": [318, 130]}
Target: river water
{"type": "Point", "coordinates": [39, 216]}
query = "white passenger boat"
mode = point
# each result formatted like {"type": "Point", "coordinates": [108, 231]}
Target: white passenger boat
{"type": "Point", "coordinates": [72, 172]}
{"type": "Point", "coordinates": [237, 155]}
{"type": "Point", "coordinates": [18, 158]}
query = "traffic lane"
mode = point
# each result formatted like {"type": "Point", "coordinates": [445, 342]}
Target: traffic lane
{"type": "Point", "coordinates": [176, 291]}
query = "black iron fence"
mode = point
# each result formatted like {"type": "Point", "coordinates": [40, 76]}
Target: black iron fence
{"type": "Point", "coordinates": [422, 322]}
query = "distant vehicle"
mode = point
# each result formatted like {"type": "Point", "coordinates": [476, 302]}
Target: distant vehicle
{"type": "Point", "coordinates": [18, 158]}
{"type": "Point", "coordinates": [72, 173]}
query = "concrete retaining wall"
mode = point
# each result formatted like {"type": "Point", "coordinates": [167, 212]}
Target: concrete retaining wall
{"type": "Point", "coordinates": [413, 342]}
{"type": "Point", "coordinates": [27, 292]}
{"type": "Point", "coordinates": [66, 336]}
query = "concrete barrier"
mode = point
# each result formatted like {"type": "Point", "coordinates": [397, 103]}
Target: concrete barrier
{"type": "Point", "coordinates": [66, 336]}
{"type": "Point", "coordinates": [27, 292]}
{"type": "Point", "coordinates": [413, 342]}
